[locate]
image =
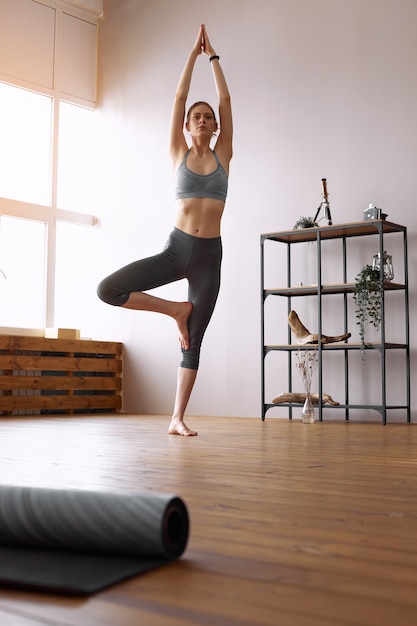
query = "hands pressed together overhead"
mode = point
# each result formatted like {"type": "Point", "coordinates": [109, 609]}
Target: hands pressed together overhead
{"type": "Point", "coordinates": [202, 44]}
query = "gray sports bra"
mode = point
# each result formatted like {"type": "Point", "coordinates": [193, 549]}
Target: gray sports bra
{"type": "Point", "coordinates": [188, 184]}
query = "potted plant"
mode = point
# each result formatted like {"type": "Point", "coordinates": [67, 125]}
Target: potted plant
{"type": "Point", "coordinates": [367, 294]}
{"type": "Point", "coordinates": [304, 222]}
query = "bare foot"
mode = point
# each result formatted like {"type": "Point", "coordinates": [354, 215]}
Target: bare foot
{"type": "Point", "coordinates": [184, 312]}
{"type": "Point", "coordinates": [178, 427]}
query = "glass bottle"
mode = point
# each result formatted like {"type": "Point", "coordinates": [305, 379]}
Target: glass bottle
{"type": "Point", "coordinates": [308, 413]}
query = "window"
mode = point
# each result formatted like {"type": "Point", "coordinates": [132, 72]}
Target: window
{"type": "Point", "coordinates": [47, 125]}
{"type": "Point", "coordinates": [76, 158]}
{"type": "Point", "coordinates": [22, 282]}
{"type": "Point", "coordinates": [25, 146]}
{"type": "Point", "coordinates": [75, 280]}
{"type": "Point", "coordinates": [37, 231]}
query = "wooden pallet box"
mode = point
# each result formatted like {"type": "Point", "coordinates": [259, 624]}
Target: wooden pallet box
{"type": "Point", "coordinates": [43, 376]}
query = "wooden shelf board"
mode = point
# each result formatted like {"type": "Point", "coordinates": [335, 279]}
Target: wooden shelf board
{"type": "Point", "coordinates": [335, 346]}
{"type": "Point", "coordinates": [336, 231]}
{"type": "Point", "coordinates": [313, 290]}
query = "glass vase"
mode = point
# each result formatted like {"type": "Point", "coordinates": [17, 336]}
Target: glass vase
{"type": "Point", "coordinates": [308, 413]}
{"type": "Point", "coordinates": [388, 268]}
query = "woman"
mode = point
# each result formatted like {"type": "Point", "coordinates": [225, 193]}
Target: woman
{"type": "Point", "coordinates": [194, 248]}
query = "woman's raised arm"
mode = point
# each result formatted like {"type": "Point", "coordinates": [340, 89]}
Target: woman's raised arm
{"type": "Point", "coordinates": [178, 144]}
{"type": "Point", "coordinates": [224, 140]}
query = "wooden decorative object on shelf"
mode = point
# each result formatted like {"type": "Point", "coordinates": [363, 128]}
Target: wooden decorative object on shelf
{"type": "Point", "coordinates": [304, 336]}
{"type": "Point", "coordinates": [299, 398]}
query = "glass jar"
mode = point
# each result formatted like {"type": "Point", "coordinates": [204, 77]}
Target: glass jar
{"type": "Point", "coordinates": [388, 269]}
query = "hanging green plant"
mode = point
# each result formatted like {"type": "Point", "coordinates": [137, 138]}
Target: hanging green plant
{"type": "Point", "coordinates": [367, 294]}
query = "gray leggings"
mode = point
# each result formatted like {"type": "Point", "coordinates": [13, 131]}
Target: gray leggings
{"type": "Point", "coordinates": [184, 256]}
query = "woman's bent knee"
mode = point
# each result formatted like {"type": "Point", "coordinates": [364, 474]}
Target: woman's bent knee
{"type": "Point", "coordinates": [111, 294]}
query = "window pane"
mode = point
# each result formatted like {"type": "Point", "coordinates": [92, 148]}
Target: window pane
{"type": "Point", "coordinates": [22, 259]}
{"type": "Point", "coordinates": [25, 146]}
{"type": "Point", "coordinates": [76, 280]}
{"type": "Point", "coordinates": [77, 156]}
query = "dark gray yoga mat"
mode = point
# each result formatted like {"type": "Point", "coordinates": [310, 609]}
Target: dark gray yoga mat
{"type": "Point", "coordinates": [79, 542]}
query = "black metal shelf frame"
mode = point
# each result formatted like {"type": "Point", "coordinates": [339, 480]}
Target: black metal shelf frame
{"type": "Point", "coordinates": [320, 234]}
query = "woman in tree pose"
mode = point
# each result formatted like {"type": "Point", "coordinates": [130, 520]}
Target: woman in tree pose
{"type": "Point", "coordinates": [194, 248]}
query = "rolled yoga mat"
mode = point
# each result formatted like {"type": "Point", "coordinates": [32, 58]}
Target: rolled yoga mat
{"type": "Point", "coordinates": [79, 542]}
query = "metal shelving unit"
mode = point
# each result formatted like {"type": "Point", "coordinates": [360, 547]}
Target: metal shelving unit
{"type": "Point", "coordinates": [379, 228]}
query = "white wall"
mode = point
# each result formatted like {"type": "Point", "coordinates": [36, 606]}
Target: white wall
{"type": "Point", "coordinates": [320, 88]}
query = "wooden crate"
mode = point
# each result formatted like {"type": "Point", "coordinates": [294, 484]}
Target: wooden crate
{"type": "Point", "coordinates": [49, 376]}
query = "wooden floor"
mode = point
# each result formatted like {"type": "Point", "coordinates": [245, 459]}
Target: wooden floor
{"type": "Point", "coordinates": [291, 524]}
